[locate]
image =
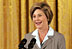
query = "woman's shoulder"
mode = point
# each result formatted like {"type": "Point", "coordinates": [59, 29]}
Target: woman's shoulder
{"type": "Point", "coordinates": [60, 40]}
{"type": "Point", "coordinates": [28, 34]}
{"type": "Point", "coordinates": [58, 35]}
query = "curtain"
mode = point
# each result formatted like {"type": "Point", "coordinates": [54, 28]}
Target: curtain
{"type": "Point", "coordinates": [65, 21]}
{"type": "Point", "coordinates": [15, 20]}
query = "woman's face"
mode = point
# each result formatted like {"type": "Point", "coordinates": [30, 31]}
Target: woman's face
{"type": "Point", "coordinates": [40, 19]}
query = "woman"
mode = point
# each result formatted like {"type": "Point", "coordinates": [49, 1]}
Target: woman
{"type": "Point", "coordinates": [46, 37]}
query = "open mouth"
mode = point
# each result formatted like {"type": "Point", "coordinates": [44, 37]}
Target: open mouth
{"type": "Point", "coordinates": [38, 23]}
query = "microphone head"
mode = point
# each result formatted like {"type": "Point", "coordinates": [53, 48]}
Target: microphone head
{"type": "Point", "coordinates": [32, 43]}
{"type": "Point", "coordinates": [22, 43]}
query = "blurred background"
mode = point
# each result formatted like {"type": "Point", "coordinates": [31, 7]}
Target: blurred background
{"type": "Point", "coordinates": [15, 20]}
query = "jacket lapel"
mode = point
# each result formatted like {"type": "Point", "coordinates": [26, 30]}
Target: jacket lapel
{"type": "Point", "coordinates": [48, 42]}
{"type": "Point", "coordinates": [36, 46]}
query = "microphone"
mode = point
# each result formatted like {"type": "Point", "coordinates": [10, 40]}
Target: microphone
{"type": "Point", "coordinates": [22, 43]}
{"type": "Point", "coordinates": [32, 43]}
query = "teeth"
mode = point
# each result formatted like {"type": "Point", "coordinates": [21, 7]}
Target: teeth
{"type": "Point", "coordinates": [38, 23]}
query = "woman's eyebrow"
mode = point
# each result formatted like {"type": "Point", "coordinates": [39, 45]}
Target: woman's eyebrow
{"type": "Point", "coordinates": [39, 13]}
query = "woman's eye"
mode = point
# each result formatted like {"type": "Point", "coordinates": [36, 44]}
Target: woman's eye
{"type": "Point", "coordinates": [39, 15]}
{"type": "Point", "coordinates": [34, 16]}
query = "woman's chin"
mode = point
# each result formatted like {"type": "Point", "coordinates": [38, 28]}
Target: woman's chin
{"type": "Point", "coordinates": [38, 27]}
